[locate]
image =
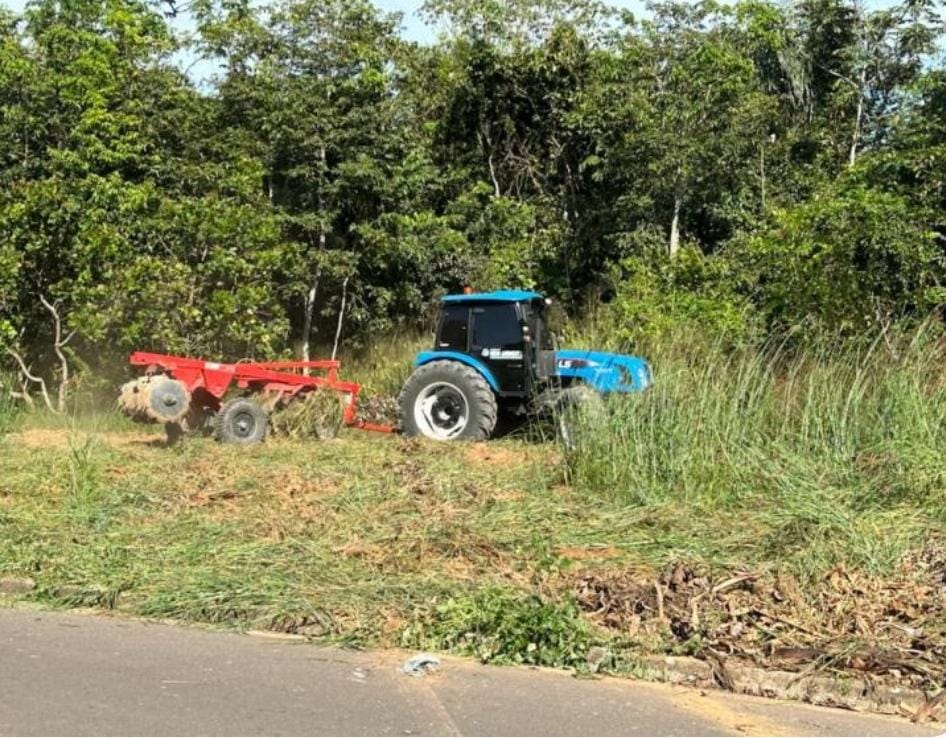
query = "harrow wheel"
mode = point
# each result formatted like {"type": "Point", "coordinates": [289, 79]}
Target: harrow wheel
{"type": "Point", "coordinates": [241, 421]}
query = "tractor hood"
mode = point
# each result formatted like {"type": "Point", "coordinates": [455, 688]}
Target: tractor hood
{"type": "Point", "coordinates": [603, 371]}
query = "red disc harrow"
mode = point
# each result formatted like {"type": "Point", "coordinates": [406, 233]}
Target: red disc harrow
{"type": "Point", "coordinates": [208, 382]}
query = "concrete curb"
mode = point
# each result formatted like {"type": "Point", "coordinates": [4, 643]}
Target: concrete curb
{"type": "Point", "coordinates": [849, 692]}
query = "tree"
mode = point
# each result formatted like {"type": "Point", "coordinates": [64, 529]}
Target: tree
{"type": "Point", "coordinates": [852, 258]}
{"type": "Point", "coordinates": [99, 217]}
{"type": "Point", "coordinates": [315, 89]}
{"type": "Point", "coordinates": [682, 115]}
{"type": "Point", "coordinates": [511, 24]}
{"type": "Point", "coordinates": [860, 61]}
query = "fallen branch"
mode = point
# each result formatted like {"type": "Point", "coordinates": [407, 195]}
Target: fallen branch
{"type": "Point", "coordinates": [720, 671]}
{"type": "Point", "coordinates": [730, 583]}
{"type": "Point", "coordinates": [928, 709]}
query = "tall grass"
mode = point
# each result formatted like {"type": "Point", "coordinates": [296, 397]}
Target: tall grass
{"type": "Point", "coordinates": [384, 367]}
{"type": "Point", "coordinates": [822, 456]}
{"type": "Point", "coordinates": [9, 409]}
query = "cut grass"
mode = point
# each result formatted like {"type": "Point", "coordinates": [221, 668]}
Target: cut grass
{"type": "Point", "coordinates": [355, 530]}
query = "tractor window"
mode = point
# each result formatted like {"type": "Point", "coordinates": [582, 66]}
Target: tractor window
{"type": "Point", "coordinates": [496, 327]}
{"type": "Point", "coordinates": [454, 327]}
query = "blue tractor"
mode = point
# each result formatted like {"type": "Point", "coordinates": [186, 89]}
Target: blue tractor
{"type": "Point", "coordinates": [494, 353]}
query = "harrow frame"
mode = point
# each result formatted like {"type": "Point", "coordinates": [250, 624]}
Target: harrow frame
{"type": "Point", "coordinates": [209, 381]}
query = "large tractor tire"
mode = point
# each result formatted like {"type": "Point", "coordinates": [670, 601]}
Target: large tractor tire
{"type": "Point", "coordinates": [447, 401]}
{"type": "Point", "coordinates": [241, 421]}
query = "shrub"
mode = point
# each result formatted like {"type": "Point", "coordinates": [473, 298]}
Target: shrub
{"type": "Point", "coordinates": [501, 626]}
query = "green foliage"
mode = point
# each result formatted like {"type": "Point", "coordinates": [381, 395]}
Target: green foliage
{"type": "Point", "coordinates": [94, 214]}
{"type": "Point", "coordinates": [733, 168]}
{"type": "Point", "coordinates": [851, 258]}
{"type": "Point", "coordinates": [504, 626]}
{"type": "Point", "coordinates": [656, 298]}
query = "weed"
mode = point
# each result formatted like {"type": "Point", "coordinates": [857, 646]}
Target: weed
{"type": "Point", "coordinates": [501, 626]}
{"type": "Point", "coordinates": [384, 367]}
{"type": "Point", "coordinates": [84, 489]}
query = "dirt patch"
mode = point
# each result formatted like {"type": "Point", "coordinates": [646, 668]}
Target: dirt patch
{"type": "Point", "coordinates": [594, 553]}
{"type": "Point", "coordinates": [61, 438]}
{"type": "Point", "coordinates": [492, 455]}
{"type": "Point", "coordinates": [887, 626]}
{"type": "Point", "coordinates": [284, 502]}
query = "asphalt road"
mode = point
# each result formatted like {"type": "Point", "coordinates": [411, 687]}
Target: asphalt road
{"type": "Point", "coordinates": [65, 674]}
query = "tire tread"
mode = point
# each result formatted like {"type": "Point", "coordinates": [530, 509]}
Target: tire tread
{"type": "Point", "coordinates": [221, 432]}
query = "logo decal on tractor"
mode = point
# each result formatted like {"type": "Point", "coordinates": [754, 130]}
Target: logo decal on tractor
{"type": "Point", "coordinates": [501, 354]}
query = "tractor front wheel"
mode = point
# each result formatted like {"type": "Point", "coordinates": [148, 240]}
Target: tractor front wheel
{"type": "Point", "coordinates": [241, 421]}
{"type": "Point", "coordinates": [447, 401]}
{"type": "Point", "coordinates": [577, 411]}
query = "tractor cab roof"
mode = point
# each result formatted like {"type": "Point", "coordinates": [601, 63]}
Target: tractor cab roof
{"type": "Point", "coordinates": [497, 296]}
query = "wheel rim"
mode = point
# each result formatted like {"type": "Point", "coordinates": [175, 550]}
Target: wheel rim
{"type": "Point", "coordinates": [441, 411]}
{"type": "Point", "coordinates": [244, 424]}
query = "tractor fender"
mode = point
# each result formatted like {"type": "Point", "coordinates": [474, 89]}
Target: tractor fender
{"type": "Point", "coordinates": [425, 357]}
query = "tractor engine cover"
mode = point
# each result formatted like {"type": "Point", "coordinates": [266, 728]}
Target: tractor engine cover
{"type": "Point", "coordinates": [155, 399]}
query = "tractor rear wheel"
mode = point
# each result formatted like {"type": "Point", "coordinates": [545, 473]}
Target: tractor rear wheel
{"type": "Point", "coordinates": [241, 421]}
{"type": "Point", "coordinates": [447, 401]}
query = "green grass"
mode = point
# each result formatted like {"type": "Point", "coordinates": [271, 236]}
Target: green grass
{"type": "Point", "coordinates": [346, 530]}
{"type": "Point", "coordinates": [384, 368]}
{"type": "Point", "coordinates": [9, 408]}
{"type": "Point", "coordinates": [794, 467]}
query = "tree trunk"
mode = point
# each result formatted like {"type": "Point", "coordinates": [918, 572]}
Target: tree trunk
{"type": "Point", "coordinates": [309, 306]}
{"type": "Point", "coordinates": [762, 172]}
{"type": "Point", "coordinates": [852, 157]}
{"type": "Point", "coordinates": [341, 317]}
{"type": "Point", "coordinates": [675, 225]}
{"type": "Point", "coordinates": [858, 120]}
{"type": "Point", "coordinates": [309, 311]}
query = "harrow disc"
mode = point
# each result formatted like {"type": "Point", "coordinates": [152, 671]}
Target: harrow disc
{"type": "Point", "coordinates": [156, 399]}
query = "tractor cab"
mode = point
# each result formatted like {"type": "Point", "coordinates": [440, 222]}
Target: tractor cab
{"type": "Point", "coordinates": [494, 349]}
{"type": "Point", "coordinates": [501, 334]}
